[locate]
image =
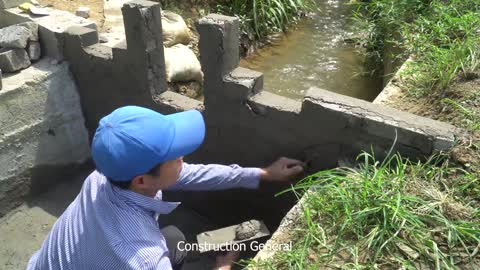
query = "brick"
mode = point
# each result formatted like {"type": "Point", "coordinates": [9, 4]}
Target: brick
{"type": "Point", "coordinates": [13, 59]}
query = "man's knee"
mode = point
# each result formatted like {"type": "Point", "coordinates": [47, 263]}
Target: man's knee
{"type": "Point", "coordinates": [176, 244]}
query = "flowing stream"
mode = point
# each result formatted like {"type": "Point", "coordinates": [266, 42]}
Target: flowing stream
{"type": "Point", "coordinates": [315, 53]}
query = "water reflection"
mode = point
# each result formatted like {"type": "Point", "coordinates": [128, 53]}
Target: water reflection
{"type": "Point", "coordinates": [315, 54]}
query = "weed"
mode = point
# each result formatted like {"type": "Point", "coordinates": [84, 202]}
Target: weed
{"type": "Point", "coordinates": [389, 214]}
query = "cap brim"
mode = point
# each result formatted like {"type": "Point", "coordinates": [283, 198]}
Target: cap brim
{"type": "Point", "coordinates": [189, 133]}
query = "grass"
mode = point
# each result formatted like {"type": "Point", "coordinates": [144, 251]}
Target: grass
{"type": "Point", "coordinates": [258, 18]}
{"type": "Point", "coordinates": [442, 35]}
{"type": "Point", "coordinates": [395, 214]}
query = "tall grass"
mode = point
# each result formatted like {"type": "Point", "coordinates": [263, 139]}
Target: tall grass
{"type": "Point", "coordinates": [261, 17]}
{"type": "Point", "coordinates": [442, 35]}
{"type": "Point", "coordinates": [394, 215]}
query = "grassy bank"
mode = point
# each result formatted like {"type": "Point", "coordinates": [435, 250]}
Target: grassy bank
{"type": "Point", "coordinates": [397, 214]}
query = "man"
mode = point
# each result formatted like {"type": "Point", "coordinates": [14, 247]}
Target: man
{"type": "Point", "coordinates": [138, 153]}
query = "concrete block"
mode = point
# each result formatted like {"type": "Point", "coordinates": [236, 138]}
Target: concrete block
{"type": "Point", "coordinates": [10, 3]}
{"type": "Point", "coordinates": [34, 50]}
{"type": "Point", "coordinates": [12, 60]}
{"type": "Point", "coordinates": [86, 35]}
{"type": "Point", "coordinates": [143, 32]}
{"type": "Point", "coordinates": [83, 12]}
{"type": "Point", "coordinates": [218, 45]}
{"type": "Point", "coordinates": [17, 36]}
{"type": "Point", "coordinates": [50, 28]}
{"type": "Point", "coordinates": [266, 101]}
{"type": "Point", "coordinates": [379, 121]}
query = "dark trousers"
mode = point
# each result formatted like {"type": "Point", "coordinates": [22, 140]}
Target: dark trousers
{"type": "Point", "coordinates": [173, 236]}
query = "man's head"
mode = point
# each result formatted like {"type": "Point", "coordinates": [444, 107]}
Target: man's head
{"type": "Point", "coordinates": [141, 146]}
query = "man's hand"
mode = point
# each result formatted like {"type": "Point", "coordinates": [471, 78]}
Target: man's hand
{"type": "Point", "coordinates": [224, 262]}
{"type": "Point", "coordinates": [282, 170]}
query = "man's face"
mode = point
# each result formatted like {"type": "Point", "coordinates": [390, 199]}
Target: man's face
{"type": "Point", "coordinates": [166, 176]}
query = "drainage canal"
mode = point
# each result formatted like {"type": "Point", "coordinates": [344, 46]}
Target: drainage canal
{"type": "Point", "coordinates": [317, 53]}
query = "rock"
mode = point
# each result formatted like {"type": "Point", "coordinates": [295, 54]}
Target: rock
{"type": "Point", "coordinates": [14, 36]}
{"type": "Point", "coordinates": [102, 39]}
{"type": "Point", "coordinates": [182, 65]}
{"type": "Point", "coordinates": [17, 36]}
{"type": "Point", "coordinates": [83, 12]}
{"type": "Point", "coordinates": [247, 229]}
{"type": "Point", "coordinates": [13, 59]}
{"type": "Point", "coordinates": [33, 28]}
{"type": "Point", "coordinates": [10, 3]}
{"type": "Point", "coordinates": [174, 29]}
{"type": "Point", "coordinates": [33, 50]}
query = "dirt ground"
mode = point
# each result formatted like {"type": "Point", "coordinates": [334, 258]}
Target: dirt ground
{"type": "Point", "coordinates": [467, 94]}
{"type": "Point", "coordinates": [96, 7]}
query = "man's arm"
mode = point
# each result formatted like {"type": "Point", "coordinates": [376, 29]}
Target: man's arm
{"type": "Point", "coordinates": [216, 177]}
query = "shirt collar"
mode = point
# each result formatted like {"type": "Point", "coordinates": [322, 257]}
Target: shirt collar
{"type": "Point", "coordinates": [150, 204]}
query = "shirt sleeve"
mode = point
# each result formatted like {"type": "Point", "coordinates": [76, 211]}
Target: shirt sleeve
{"type": "Point", "coordinates": [216, 177]}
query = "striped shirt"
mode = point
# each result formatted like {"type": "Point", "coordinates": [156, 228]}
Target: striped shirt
{"type": "Point", "coordinates": [107, 227]}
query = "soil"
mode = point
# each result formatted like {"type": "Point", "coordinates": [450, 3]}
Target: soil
{"type": "Point", "coordinates": [96, 8]}
{"type": "Point", "coordinates": [467, 94]}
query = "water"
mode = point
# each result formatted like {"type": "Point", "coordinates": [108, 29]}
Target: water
{"type": "Point", "coordinates": [314, 54]}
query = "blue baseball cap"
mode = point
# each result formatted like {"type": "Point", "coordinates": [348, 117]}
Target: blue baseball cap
{"type": "Point", "coordinates": [132, 140]}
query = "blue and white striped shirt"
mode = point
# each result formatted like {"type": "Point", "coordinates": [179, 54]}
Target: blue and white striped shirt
{"type": "Point", "coordinates": [107, 227]}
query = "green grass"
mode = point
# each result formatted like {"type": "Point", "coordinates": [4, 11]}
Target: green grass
{"type": "Point", "coordinates": [258, 18]}
{"type": "Point", "coordinates": [382, 215]}
{"type": "Point", "coordinates": [443, 36]}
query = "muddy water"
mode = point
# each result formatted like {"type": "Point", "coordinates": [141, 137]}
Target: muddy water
{"type": "Point", "coordinates": [315, 53]}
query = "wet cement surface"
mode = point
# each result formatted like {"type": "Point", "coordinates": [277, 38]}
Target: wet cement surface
{"type": "Point", "coordinates": [315, 54]}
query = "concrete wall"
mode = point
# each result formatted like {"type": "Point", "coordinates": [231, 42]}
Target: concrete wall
{"type": "Point", "coordinates": [42, 131]}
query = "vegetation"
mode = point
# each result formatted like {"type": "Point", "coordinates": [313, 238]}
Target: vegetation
{"type": "Point", "coordinates": [397, 214]}
{"type": "Point", "coordinates": [259, 18]}
{"type": "Point", "coordinates": [443, 36]}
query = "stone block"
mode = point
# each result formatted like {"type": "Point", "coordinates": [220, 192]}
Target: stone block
{"type": "Point", "coordinates": [13, 59]}
{"type": "Point", "coordinates": [86, 35]}
{"type": "Point", "coordinates": [50, 28]}
{"type": "Point", "coordinates": [83, 12]}
{"type": "Point", "coordinates": [33, 50]}
{"type": "Point", "coordinates": [17, 36]}
{"type": "Point", "coordinates": [10, 3]}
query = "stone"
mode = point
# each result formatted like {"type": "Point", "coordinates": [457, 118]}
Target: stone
{"type": "Point", "coordinates": [247, 229]}
{"type": "Point", "coordinates": [102, 38]}
{"type": "Point", "coordinates": [16, 36]}
{"type": "Point", "coordinates": [34, 51]}
{"type": "Point", "coordinates": [51, 27]}
{"type": "Point", "coordinates": [33, 28]}
{"type": "Point", "coordinates": [83, 12]}
{"type": "Point", "coordinates": [12, 60]}
{"type": "Point", "coordinates": [10, 3]}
